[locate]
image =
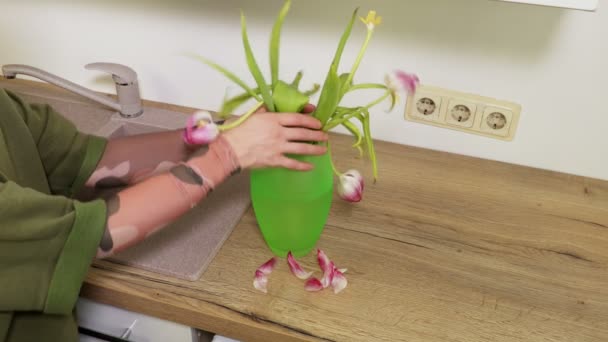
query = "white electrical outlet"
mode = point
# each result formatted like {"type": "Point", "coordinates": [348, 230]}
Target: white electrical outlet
{"type": "Point", "coordinates": [496, 121]}
{"type": "Point", "coordinates": [463, 112]}
{"type": "Point", "coordinates": [426, 106]}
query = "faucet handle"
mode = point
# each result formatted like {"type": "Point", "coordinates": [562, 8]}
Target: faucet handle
{"type": "Point", "coordinates": [121, 74]}
{"type": "Point", "coordinates": [127, 89]}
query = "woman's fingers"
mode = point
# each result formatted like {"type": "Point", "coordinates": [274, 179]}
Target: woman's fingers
{"type": "Point", "coordinates": [304, 134]}
{"type": "Point", "coordinates": [293, 164]}
{"type": "Point", "coordinates": [304, 149]}
{"type": "Point", "coordinates": [299, 120]}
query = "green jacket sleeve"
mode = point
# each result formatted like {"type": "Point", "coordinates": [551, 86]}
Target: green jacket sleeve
{"type": "Point", "coordinates": [46, 246]}
{"type": "Point", "coordinates": [68, 156]}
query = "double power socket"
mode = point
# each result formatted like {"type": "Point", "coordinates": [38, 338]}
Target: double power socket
{"type": "Point", "coordinates": [463, 112]}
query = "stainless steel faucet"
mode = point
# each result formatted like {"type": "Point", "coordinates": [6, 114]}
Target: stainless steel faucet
{"type": "Point", "coordinates": [125, 79]}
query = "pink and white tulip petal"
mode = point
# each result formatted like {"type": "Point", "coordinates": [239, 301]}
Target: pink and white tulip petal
{"type": "Point", "coordinates": [342, 270]}
{"type": "Point", "coordinates": [260, 282]}
{"type": "Point", "coordinates": [338, 282]}
{"type": "Point", "coordinates": [200, 129]}
{"type": "Point", "coordinates": [408, 81]}
{"type": "Point", "coordinates": [204, 135]}
{"type": "Point", "coordinates": [328, 274]}
{"type": "Point", "coordinates": [350, 186]}
{"type": "Point", "coordinates": [322, 259]}
{"type": "Point", "coordinates": [327, 267]}
{"type": "Point", "coordinates": [313, 285]}
{"type": "Point", "coordinates": [268, 266]}
{"type": "Point", "coordinates": [296, 269]}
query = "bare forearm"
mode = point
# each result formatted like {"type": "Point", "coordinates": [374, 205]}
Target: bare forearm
{"type": "Point", "coordinates": [129, 160]}
{"type": "Point", "coordinates": [142, 209]}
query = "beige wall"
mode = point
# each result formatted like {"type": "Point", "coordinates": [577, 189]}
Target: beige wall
{"type": "Point", "coordinates": [551, 61]}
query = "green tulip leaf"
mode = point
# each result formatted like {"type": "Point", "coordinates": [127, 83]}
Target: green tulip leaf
{"type": "Point", "coordinates": [287, 99]}
{"type": "Point", "coordinates": [228, 75]}
{"type": "Point", "coordinates": [275, 38]}
{"type": "Point", "coordinates": [254, 68]}
{"type": "Point", "coordinates": [370, 143]}
{"type": "Point", "coordinates": [343, 80]}
{"type": "Point", "coordinates": [329, 98]}
{"type": "Point", "coordinates": [354, 130]}
{"type": "Point", "coordinates": [297, 79]}
{"type": "Point", "coordinates": [230, 105]}
{"type": "Point", "coordinates": [344, 39]}
{"type": "Point", "coordinates": [315, 88]}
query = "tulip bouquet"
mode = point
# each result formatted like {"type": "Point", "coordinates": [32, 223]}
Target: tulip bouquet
{"type": "Point", "coordinates": [280, 96]}
{"type": "Point", "coordinates": [292, 207]}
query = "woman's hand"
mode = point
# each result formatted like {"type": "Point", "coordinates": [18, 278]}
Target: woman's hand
{"type": "Point", "coordinates": [263, 139]}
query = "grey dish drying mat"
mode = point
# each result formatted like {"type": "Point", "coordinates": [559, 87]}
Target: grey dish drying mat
{"type": "Point", "coordinates": [186, 248]}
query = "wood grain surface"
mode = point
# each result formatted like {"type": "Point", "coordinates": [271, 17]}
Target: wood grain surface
{"type": "Point", "coordinates": [443, 248]}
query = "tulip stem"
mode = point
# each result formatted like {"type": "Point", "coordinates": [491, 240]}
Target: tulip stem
{"type": "Point", "coordinates": [343, 118]}
{"type": "Point", "coordinates": [242, 118]}
{"type": "Point", "coordinates": [367, 86]}
{"type": "Point", "coordinates": [331, 160]}
{"type": "Point", "coordinates": [378, 100]}
{"type": "Point", "coordinates": [370, 144]}
{"type": "Point", "coordinates": [349, 79]}
{"type": "Point", "coordinates": [355, 113]}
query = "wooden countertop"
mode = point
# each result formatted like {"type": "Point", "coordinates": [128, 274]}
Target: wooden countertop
{"type": "Point", "coordinates": [442, 248]}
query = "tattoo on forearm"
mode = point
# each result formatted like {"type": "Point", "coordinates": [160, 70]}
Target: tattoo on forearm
{"type": "Point", "coordinates": [167, 196]}
{"type": "Point", "coordinates": [110, 182]}
{"type": "Point", "coordinates": [201, 151]}
{"type": "Point", "coordinates": [106, 243]}
{"type": "Point", "coordinates": [110, 174]}
{"type": "Point", "coordinates": [113, 205]}
{"type": "Point", "coordinates": [187, 175]}
{"type": "Point", "coordinates": [126, 172]}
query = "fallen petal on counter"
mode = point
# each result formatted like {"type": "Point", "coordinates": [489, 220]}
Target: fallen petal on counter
{"type": "Point", "coordinates": [338, 282]}
{"type": "Point", "coordinates": [296, 269]}
{"type": "Point", "coordinates": [313, 285]}
{"type": "Point", "coordinates": [328, 274]}
{"type": "Point", "coordinates": [331, 274]}
{"type": "Point", "coordinates": [322, 259]}
{"type": "Point", "coordinates": [268, 266]}
{"type": "Point", "coordinates": [260, 282]}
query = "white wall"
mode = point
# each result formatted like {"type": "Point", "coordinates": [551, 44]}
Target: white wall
{"type": "Point", "coordinates": [552, 61]}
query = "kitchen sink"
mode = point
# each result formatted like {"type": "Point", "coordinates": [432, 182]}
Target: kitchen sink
{"type": "Point", "coordinates": [185, 248]}
{"type": "Point", "coordinates": [153, 120]}
{"type": "Point", "coordinates": [129, 128]}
